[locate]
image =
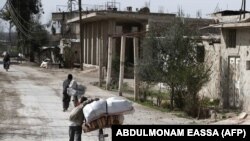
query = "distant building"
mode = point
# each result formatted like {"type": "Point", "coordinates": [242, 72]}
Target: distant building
{"type": "Point", "coordinates": [111, 28]}
{"type": "Point", "coordinates": [99, 26]}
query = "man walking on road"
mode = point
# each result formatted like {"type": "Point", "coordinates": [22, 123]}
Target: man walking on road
{"type": "Point", "coordinates": [75, 127]}
{"type": "Point", "coordinates": [68, 83]}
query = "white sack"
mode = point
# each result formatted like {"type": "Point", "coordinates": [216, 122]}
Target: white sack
{"type": "Point", "coordinates": [71, 91]}
{"type": "Point", "coordinates": [76, 92]}
{"type": "Point", "coordinates": [118, 105]}
{"type": "Point", "coordinates": [94, 110]}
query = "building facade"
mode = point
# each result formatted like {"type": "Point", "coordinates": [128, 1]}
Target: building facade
{"type": "Point", "coordinates": [233, 59]}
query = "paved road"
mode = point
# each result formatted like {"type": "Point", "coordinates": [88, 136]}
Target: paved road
{"type": "Point", "coordinates": [31, 108]}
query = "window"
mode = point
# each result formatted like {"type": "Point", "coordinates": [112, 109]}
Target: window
{"type": "Point", "coordinates": [231, 38]}
{"type": "Point", "coordinates": [200, 54]}
{"type": "Point", "coordinates": [247, 65]}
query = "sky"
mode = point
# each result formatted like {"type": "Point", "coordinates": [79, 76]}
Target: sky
{"type": "Point", "coordinates": [168, 6]}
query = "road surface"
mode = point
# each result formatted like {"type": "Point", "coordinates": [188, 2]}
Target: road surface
{"type": "Point", "coordinates": [31, 105]}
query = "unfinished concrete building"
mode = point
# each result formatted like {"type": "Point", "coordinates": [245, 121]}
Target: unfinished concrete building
{"type": "Point", "coordinates": [115, 30]}
{"type": "Point", "coordinates": [99, 26]}
{"type": "Point", "coordinates": [108, 37]}
{"type": "Point", "coordinates": [111, 36]}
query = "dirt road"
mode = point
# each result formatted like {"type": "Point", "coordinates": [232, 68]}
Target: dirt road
{"type": "Point", "coordinates": [31, 107]}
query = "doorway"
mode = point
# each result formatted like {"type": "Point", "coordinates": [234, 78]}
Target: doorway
{"type": "Point", "coordinates": [234, 81]}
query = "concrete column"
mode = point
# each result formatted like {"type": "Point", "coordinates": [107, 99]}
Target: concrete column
{"type": "Point", "coordinates": [111, 31]}
{"type": "Point", "coordinates": [84, 44]}
{"type": "Point", "coordinates": [88, 43]}
{"type": "Point", "coordinates": [105, 43]}
{"type": "Point", "coordinates": [122, 59]}
{"type": "Point", "coordinates": [100, 66]}
{"type": "Point", "coordinates": [101, 56]}
{"type": "Point", "coordinates": [102, 49]}
{"type": "Point", "coordinates": [136, 79]}
{"type": "Point", "coordinates": [97, 43]}
{"type": "Point", "coordinates": [110, 50]}
{"type": "Point", "coordinates": [114, 40]}
{"type": "Point", "coordinates": [92, 44]}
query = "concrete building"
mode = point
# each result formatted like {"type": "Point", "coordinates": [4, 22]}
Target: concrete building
{"type": "Point", "coordinates": [231, 59]}
{"type": "Point", "coordinates": [99, 26]}
{"type": "Point", "coordinates": [110, 35]}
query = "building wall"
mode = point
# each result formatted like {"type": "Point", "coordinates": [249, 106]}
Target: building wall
{"type": "Point", "coordinates": [242, 50]}
{"type": "Point", "coordinates": [212, 59]}
{"type": "Point", "coordinates": [70, 30]}
{"type": "Point", "coordinates": [95, 39]}
{"type": "Point", "coordinates": [75, 28]}
{"type": "Point", "coordinates": [243, 42]}
{"type": "Point", "coordinates": [77, 51]}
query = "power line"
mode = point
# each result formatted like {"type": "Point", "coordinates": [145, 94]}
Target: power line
{"type": "Point", "coordinates": [18, 15]}
{"type": "Point", "coordinates": [23, 29]}
{"type": "Point", "coordinates": [19, 25]}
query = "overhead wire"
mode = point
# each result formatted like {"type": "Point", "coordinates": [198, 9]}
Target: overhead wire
{"type": "Point", "coordinates": [18, 15]}
{"type": "Point", "coordinates": [16, 19]}
{"type": "Point", "coordinates": [15, 16]}
{"type": "Point", "coordinates": [19, 26]}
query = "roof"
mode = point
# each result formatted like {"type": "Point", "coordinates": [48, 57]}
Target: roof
{"type": "Point", "coordinates": [231, 25]}
{"type": "Point", "coordinates": [231, 12]}
{"type": "Point", "coordinates": [95, 16]}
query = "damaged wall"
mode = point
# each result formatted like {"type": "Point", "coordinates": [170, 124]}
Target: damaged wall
{"type": "Point", "coordinates": [236, 73]}
{"type": "Point", "coordinates": [212, 58]}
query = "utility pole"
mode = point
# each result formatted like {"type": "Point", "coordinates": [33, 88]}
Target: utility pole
{"type": "Point", "coordinates": [9, 47]}
{"type": "Point", "coordinates": [80, 24]}
{"type": "Point", "coordinates": [244, 9]}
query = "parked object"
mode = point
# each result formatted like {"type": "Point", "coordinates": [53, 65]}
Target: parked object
{"type": "Point", "coordinates": [45, 63]}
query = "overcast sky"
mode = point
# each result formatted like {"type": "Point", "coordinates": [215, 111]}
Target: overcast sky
{"type": "Point", "coordinates": [189, 6]}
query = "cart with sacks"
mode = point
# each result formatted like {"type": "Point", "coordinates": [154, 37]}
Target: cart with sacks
{"type": "Point", "coordinates": [102, 113]}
